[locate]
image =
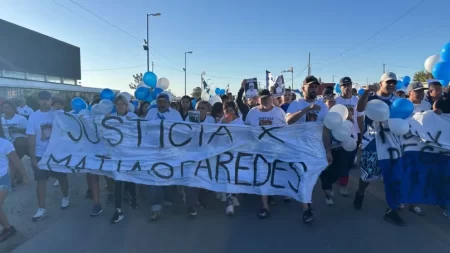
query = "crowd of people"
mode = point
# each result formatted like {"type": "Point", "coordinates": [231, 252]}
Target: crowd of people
{"type": "Point", "coordinates": [25, 132]}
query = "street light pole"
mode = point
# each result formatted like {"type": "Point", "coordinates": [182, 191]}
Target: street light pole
{"type": "Point", "coordinates": [185, 53]}
{"type": "Point", "coordinates": [146, 44]}
{"type": "Point", "coordinates": [291, 69]}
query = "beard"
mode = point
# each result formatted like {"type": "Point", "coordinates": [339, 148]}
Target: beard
{"type": "Point", "coordinates": [312, 95]}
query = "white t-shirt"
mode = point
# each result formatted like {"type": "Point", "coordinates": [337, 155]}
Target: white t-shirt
{"type": "Point", "coordinates": [351, 104]}
{"type": "Point", "coordinates": [40, 124]}
{"type": "Point", "coordinates": [171, 115]}
{"type": "Point", "coordinates": [422, 107]}
{"type": "Point", "coordinates": [208, 120]}
{"type": "Point", "coordinates": [131, 115]}
{"type": "Point", "coordinates": [237, 121]}
{"type": "Point", "coordinates": [17, 121]}
{"type": "Point", "coordinates": [274, 117]}
{"type": "Point", "coordinates": [25, 110]}
{"type": "Point", "coordinates": [316, 115]}
{"type": "Point", "coordinates": [6, 148]}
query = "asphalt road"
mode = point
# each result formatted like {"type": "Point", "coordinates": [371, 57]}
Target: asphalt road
{"type": "Point", "coordinates": [338, 228]}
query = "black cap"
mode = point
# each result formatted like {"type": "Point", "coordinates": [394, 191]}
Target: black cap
{"type": "Point", "coordinates": [345, 81]}
{"type": "Point", "coordinates": [264, 93]}
{"type": "Point", "coordinates": [44, 95]}
{"type": "Point", "coordinates": [310, 80]}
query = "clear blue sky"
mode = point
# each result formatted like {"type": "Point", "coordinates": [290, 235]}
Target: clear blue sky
{"type": "Point", "coordinates": [237, 39]}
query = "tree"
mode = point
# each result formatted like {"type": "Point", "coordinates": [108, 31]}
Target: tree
{"type": "Point", "coordinates": [196, 92]}
{"type": "Point", "coordinates": [137, 79]}
{"type": "Point", "coordinates": [422, 76]}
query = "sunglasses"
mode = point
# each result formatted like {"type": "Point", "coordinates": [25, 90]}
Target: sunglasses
{"type": "Point", "coordinates": [391, 82]}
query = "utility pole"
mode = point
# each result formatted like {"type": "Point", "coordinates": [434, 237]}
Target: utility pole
{"type": "Point", "coordinates": [309, 64]}
{"type": "Point", "coordinates": [146, 42]}
{"type": "Point", "coordinates": [152, 66]}
{"type": "Point", "coordinates": [185, 53]}
{"type": "Point", "coordinates": [291, 70]}
{"type": "Point", "coordinates": [333, 78]}
{"type": "Point", "coordinates": [384, 68]}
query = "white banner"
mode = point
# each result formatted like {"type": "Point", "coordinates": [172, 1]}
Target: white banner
{"type": "Point", "coordinates": [282, 161]}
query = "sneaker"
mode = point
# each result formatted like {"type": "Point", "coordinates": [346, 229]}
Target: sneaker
{"type": "Point", "coordinates": [110, 199]}
{"type": "Point", "coordinates": [229, 210]}
{"type": "Point", "coordinates": [310, 207]}
{"type": "Point", "coordinates": [56, 184]}
{"type": "Point", "coordinates": [357, 203]}
{"type": "Point", "coordinates": [155, 216]}
{"type": "Point", "coordinates": [264, 213]}
{"type": "Point", "coordinates": [64, 202]}
{"type": "Point", "coordinates": [191, 212]}
{"type": "Point", "coordinates": [96, 210]}
{"type": "Point", "coordinates": [235, 201]}
{"type": "Point", "coordinates": [393, 217]}
{"type": "Point", "coordinates": [343, 191]}
{"type": "Point", "coordinates": [417, 210]}
{"type": "Point", "coordinates": [447, 213]}
{"type": "Point", "coordinates": [134, 204]}
{"type": "Point", "coordinates": [40, 213]}
{"type": "Point", "coordinates": [271, 200]}
{"type": "Point", "coordinates": [308, 216]}
{"type": "Point", "coordinates": [287, 200]}
{"type": "Point", "coordinates": [329, 200]}
{"type": "Point", "coordinates": [118, 216]}
{"type": "Point", "coordinates": [6, 233]}
{"type": "Point", "coordinates": [88, 194]}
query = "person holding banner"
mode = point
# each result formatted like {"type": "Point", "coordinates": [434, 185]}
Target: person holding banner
{"type": "Point", "coordinates": [39, 129]}
{"type": "Point", "coordinates": [310, 109]}
{"type": "Point", "coordinates": [163, 110]}
{"type": "Point", "coordinates": [266, 114]}
{"type": "Point", "coordinates": [370, 170]}
{"type": "Point", "coordinates": [416, 92]}
{"type": "Point", "coordinates": [185, 106]}
{"type": "Point", "coordinates": [143, 109]}
{"type": "Point", "coordinates": [121, 104]}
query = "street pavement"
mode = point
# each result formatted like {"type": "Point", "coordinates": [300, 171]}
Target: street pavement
{"type": "Point", "coordinates": [338, 228]}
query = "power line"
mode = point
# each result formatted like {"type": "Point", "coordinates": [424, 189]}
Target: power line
{"type": "Point", "coordinates": [378, 32]}
{"type": "Point", "coordinates": [110, 69]}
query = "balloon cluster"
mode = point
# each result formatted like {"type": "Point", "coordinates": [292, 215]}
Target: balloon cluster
{"type": "Point", "coordinates": [439, 66]}
{"type": "Point", "coordinates": [341, 128]}
{"type": "Point", "coordinates": [403, 84]}
{"type": "Point", "coordinates": [151, 87]}
{"type": "Point", "coordinates": [104, 107]}
{"type": "Point", "coordinates": [212, 99]}
{"type": "Point", "coordinates": [396, 115]}
{"type": "Point", "coordinates": [219, 91]}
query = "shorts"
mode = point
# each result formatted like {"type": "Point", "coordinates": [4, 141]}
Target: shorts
{"type": "Point", "coordinates": [21, 146]}
{"type": "Point", "coordinates": [5, 183]}
{"type": "Point", "coordinates": [40, 175]}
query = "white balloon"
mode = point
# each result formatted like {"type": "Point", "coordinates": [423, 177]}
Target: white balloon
{"type": "Point", "coordinates": [377, 110]}
{"type": "Point", "coordinates": [85, 112]}
{"type": "Point", "coordinates": [341, 109]}
{"type": "Point", "coordinates": [342, 133]}
{"type": "Point", "coordinates": [97, 110]}
{"type": "Point", "coordinates": [349, 145]}
{"type": "Point", "coordinates": [126, 95]}
{"type": "Point", "coordinates": [106, 105]}
{"type": "Point", "coordinates": [332, 120]}
{"type": "Point", "coordinates": [348, 124]}
{"type": "Point", "coordinates": [163, 83]}
{"type": "Point", "coordinates": [131, 107]}
{"type": "Point", "coordinates": [141, 84]}
{"type": "Point", "coordinates": [214, 99]}
{"type": "Point", "coordinates": [205, 96]}
{"type": "Point", "coordinates": [398, 126]}
{"type": "Point", "coordinates": [430, 61]}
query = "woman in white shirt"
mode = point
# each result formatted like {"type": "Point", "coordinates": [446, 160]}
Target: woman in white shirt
{"type": "Point", "coordinates": [14, 127]}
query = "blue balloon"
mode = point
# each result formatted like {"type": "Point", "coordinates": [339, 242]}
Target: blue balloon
{"type": "Point", "coordinates": [337, 88]}
{"type": "Point", "coordinates": [150, 79]}
{"type": "Point", "coordinates": [78, 104]}
{"type": "Point", "coordinates": [445, 52]}
{"type": "Point", "coordinates": [360, 92]}
{"type": "Point", "coordinates": [222, 91]}
{"type": "Point", "coordinates": [406, 80]}
{"type": "Point", "coordinates": [444, 83]}
{"type": "Point", "coordinates": [217, 91]}
{"type": "Point", "coordinates": [401, 108]}
{"type": "Point", "coordinates": [156, 92]}
{"type": "Point", "coordinates": [441, 70]}
{"type": "Point", "coordinates": [114, 109]}
{"type": "Point", "coordinates": [107, 94]}
{"type": "Point", "coordinates": [193, 102]}
{"type": "Point", "coordinates": [399, 85]}
{"type": "Point", "coordinates": [141, 93]}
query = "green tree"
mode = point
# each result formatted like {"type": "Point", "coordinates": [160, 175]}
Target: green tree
{"type": "Point", "coordinates": [422, 76]}
{"type": "Point", "coordinates": [196, 92]}
{"type": "Point", "coordinates": [137, 79]}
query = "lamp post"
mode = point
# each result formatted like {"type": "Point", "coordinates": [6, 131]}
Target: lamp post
{"type": "Point", "coordinates": [146, 46]}
{"type": "Point", "coordinates": [185, 53]}
{"type": "Point", "coordinates": [291, 69]}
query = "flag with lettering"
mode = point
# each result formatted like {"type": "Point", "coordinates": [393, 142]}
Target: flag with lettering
{"type": "Point", "coordinates": [270, 80]}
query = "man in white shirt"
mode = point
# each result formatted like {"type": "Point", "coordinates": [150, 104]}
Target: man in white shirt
{"type": "Point", "coordinates": [309, 109]}
{"type": "Point", "coordinates": [39, 129]}
{"type": "Point", "coordinates": [416, 93]}
{"type": "Point", "coordinates": [24, 109]}
{"type": "Point", "coordinates": [163, 110]}
{"type": "Point", "coordinates": [251, 91]}
{"type": "Point", "coordinates": [266, 114]}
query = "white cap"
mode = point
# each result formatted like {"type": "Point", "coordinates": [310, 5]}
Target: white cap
{"type": "Point", "coordinates": [388, 76]}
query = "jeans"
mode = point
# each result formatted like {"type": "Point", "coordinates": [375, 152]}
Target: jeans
{"type": "Point", "coordinates": [158, 194]}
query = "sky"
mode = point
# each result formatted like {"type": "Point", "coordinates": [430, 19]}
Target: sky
{"type": "Point", "coordinates": [237, 39]}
